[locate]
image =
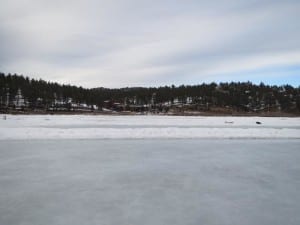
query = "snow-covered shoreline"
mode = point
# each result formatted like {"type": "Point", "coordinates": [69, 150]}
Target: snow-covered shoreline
{"type": "Point", "coordinates": [31, 127]}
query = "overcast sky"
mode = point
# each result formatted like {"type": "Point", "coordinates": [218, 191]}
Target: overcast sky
{"type": "Point", "coordinates": [118, 43]}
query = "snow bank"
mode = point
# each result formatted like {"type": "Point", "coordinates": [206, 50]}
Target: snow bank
{"type": "Point", "coordinates": [143, 127]}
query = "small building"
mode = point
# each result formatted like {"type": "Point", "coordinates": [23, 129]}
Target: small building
{"type": "Point", "coordinates": [19, 101]}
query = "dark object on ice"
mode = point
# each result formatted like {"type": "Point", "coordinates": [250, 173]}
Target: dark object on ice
{"type": "Point", "coordinates": [228, 121]}
{"type": "Point", "coordinates": [257, 122]}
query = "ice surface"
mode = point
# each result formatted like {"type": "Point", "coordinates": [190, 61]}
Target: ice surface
{"type": "Point", "coordinates": [132, 170]}
{"type": "Point", "coordinates": [134, 182]}
{"type": "Point", "coordinates": [145, 127]}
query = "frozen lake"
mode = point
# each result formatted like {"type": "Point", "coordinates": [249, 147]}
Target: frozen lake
{"type": "Point", "coordinates": [160, 177]}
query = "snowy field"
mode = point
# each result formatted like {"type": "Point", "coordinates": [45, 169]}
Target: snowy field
{"type": "Point", "coordinates": [145, 127]}
{"type": "Point", "coordinates": [150, 170]}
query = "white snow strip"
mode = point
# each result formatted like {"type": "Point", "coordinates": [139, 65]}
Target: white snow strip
{"type": "Point", "coordinates": [145, 127]}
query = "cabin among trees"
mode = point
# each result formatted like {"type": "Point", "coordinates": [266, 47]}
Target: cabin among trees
{"type": "Point", "coordinates": [19, 93]}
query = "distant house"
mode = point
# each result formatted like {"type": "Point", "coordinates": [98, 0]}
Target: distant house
{"type": "Point", "coordinates": [19, 101]}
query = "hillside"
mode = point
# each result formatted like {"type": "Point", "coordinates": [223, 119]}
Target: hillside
{"type": "Point", "coordinates": [19, 93]}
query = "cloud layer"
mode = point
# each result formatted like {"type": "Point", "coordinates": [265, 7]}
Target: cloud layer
{"type": "Point", "coordinates": [119, 43]}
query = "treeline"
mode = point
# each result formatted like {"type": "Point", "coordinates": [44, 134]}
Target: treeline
{"type": "Point", "coordinates": [236, 95]}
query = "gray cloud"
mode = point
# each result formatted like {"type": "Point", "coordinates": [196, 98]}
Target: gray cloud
{"type": "Point", "coordinates": [133, 42]}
